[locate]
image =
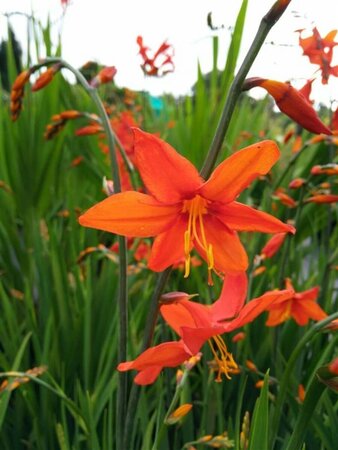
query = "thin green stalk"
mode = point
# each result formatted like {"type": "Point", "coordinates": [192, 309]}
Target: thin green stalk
{"type": "Point", "coordinates": [121, 403]}
{"type": "Point", "coordinates": [235, 90]}
{"type": "Point", "coordinates": [172, 406]}
{"type": "Point", "coordinates": [290, 164]}
{"type": "Point", "coordinates": [288, 370]}
{"type": "Point", "coordinates": [147, 338]}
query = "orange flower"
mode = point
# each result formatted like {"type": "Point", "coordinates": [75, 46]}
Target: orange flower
{"type": "Point", "coordinates": [322, 198]}
{"type": "Point", "coordinates": [184, 211]}
{"type": "Point", "coordinates": [301, 307]}
{"type": "Point", "coordinates": [105, 75]}
{"type": "Point", "coordinates": [297, 144]}
{"type": "Point", "coordinates": [89, 130]}
{"type": "Point", "coordinates": [328, 169]}
{"type": "Point", "coordinates": [306, 90]}
{"type": "Point", "coordinates": [273, 245]}
{"type": "Point", "coordinates": [161, 63]}
{"type": "Point", "coordinates": [17, 93]}
{"type": "Point", "coordinates": [297, 183]}
{"type": "Point", "coordinates": [333, 367]}
{"type": "Point", "coordinates": [291, 102]}
{"type": "Point", "coordinates": [320, 51]}
{"type": "Point", "coordinates": [284, 198]}
{"type": "Point", "coordinates": [196, 323]}
{"type": "Point", "coordinates": [45, 78]}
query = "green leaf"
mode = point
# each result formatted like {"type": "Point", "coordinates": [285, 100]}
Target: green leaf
{"type": "Point", "coordinates": [260, 421]}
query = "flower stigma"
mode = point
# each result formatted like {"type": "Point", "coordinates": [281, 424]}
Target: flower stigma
{"type": "Point", "coordinates": [196, 208]}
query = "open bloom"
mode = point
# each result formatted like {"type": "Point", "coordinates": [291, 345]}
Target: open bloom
{"type": "Point", "coordinates": [160, 63]}
{"type": "Point", "coordinates": [291, 102]}
{"type": "Point", "coordinates": [301, 307]}
{"type": "Point", "coordinates": [184, 211]}
{"type": "Point", "coordinates": [196, 324]}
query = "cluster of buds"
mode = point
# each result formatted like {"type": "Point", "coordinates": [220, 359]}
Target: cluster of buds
{"type": "Point", "coordinates": [19, 378]}
{"type": "Point", "coordinates": [22, 79]}
{"type": "Point", "coordinates": [17, 93]}
{"type": "Point", "coordinates": [106, 75]}
{"type": "Point", "coordinates": [59, 121]}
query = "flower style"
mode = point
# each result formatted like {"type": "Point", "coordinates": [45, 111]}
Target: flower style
{"type": "Point", "coordinates": [184, 211]}
{"type": "Point", "coordinates": [291, 102]}
{"type": "Point", "coordinates": [196, 324]}
{"type": "Point", "coordinates": [301, 307]}
{"type": "Point", "coordinates": [161, 63]}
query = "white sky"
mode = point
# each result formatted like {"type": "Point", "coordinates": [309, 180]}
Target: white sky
{"type": "Point", "coordinates": [106, 31]}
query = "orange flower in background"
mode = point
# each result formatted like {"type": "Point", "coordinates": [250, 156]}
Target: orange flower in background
{"type": "Point", "coordinates": [322, 198]}
{"type": "Point", "coordinates": [17, 93]}
{"type": "Point", "coordinates": [301, 307]}
{"type": "Point", "coordinates": [320, 51]}
{"type": "Point", "coordinates": [106, 75]}
{"type": "Point", "coordinates": [88, 130]}
{"type": "Point", "coordinates": [161, 63]}
{"type": "Point", "coordinates": [196, 324]}
{"type": "Point", "coordinates": [297, 183]}
{"type": "Point", "coordinates": [273, 245]}
{"type": "Point", "coordinates": [328, 169]}
{"type": "Point", "coordinates": [291, 102]}
{"type": "Point", "coordinates": [46, 77]}
{"type": "Point", "coordinates": [184, 211]}
{"type": "Point", "coordinates": [284, 198]}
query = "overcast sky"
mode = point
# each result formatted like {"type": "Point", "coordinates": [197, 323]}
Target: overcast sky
{"type": "Point", "coordinates": [106, 31]}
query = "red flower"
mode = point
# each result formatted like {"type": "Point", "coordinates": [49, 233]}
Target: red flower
{"type": "Point", "coordinates": [319, 51]}
{"type": "Point", "coordinates": [291, 102]}
{"type": "Point", "coordinates": [161, 63]}
{"type": "Point", "coordinates": [301, 307]}
{"type": "Point", "coordinates": [184, 211]}
{"type": "Point", "coordinates": [105, 75]}
{"type": "Point", "coordinates": [273, 245]}
{"type": "Point", "coordinates": [196, 323]}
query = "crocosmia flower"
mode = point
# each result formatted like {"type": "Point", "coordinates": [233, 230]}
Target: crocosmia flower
{"type": "Point", "coordinates": [301, 307]}
{"type": "Point", "coordinates": [160, 63]}
{"type": "Point", "coordinates": [184, 211]}
{"type": "Point", "coordinates": [197, 324]}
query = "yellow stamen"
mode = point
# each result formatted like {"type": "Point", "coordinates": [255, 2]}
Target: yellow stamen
{"type": "Point", "coordinates": [224, 360]}
{"type": "Point", "coordinates": [196, 208]}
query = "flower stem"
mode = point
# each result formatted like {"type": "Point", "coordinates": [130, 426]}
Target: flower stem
{"type": "Point", "coordinates": [147, 337]}
{"type": "Point", "coordinates": [121, 403]}
{"type": "Point", "coordinates": [235, 90]}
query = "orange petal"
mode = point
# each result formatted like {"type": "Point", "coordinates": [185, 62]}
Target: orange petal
{"type": "Point", "coordinates": [168, 176]}
{"type": "Point", "coordinates": [302, 311]}
{"type": "Point", "coordinates": [130, 214]}
{"type": "Point", "coordinates": [147, 376]}
{"type": "Point", "coordinates": [194, 338]}
{"type": "Point", "coordinates": [229, 254]}
{"type": "Point", "coordinates": [239, 217]}
{"type": "Point", "coordinates": [168, 354]}
{"type": "Point", "coordinates": [168, 247]}
{"type": "Point", "coordinates": [232, 297]}
{"type": "Point", "coordinates": [255, 307]}
{"type": "Point", "coordinates": [235, 173]}
{"type": "Point", "coordinates": [186, 313]}
{"type": "Point", "coordinates": [309, 294]}
{"type": "Point", "coordinates": [277, 315]}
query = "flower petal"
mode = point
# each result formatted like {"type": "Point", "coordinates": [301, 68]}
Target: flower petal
{"type": "Point", "coordinates": [194, 338]}
{"type": "Point", "coordinates": [130, 214]}
{"type": "Point", "coordinates": [229, 254]}
{"type": "Point", "coordinates": [168, 247]}
{"type": "Point", "coordinates": [147, 376]}
{"type": "Point", "coordinates": [255, 307]}
{"type": "Point", "coordinates": [302, 311]}
{"type": "Point", "coordinates": [279, 314]}
{"type": "Point", "coordinates": [232, 297]}
{"type": "Point", "coordinates": [239, 217]}
{"type": "Point", "coordinates": [168, 354]}
{"type": "Point", "coordinates": [235, 173]}
{"type": "Point", "coordinates": [168, 176]}
{"type": "Point", "coordinates": [309, 294]}
{"type": "Point", "coordinates": [186, 313]}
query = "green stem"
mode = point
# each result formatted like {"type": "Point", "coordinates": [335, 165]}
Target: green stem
{"type": "Point", "coordinates": [147, 338]}
{"type": "Point", "coordinates": [288, 370]}
{"type": "Point", "coordinates": [121, 403]}
{"type": "Point", "coordinates": [235, 90]}
{"type": "Point", "coordinates": [172, 406]}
